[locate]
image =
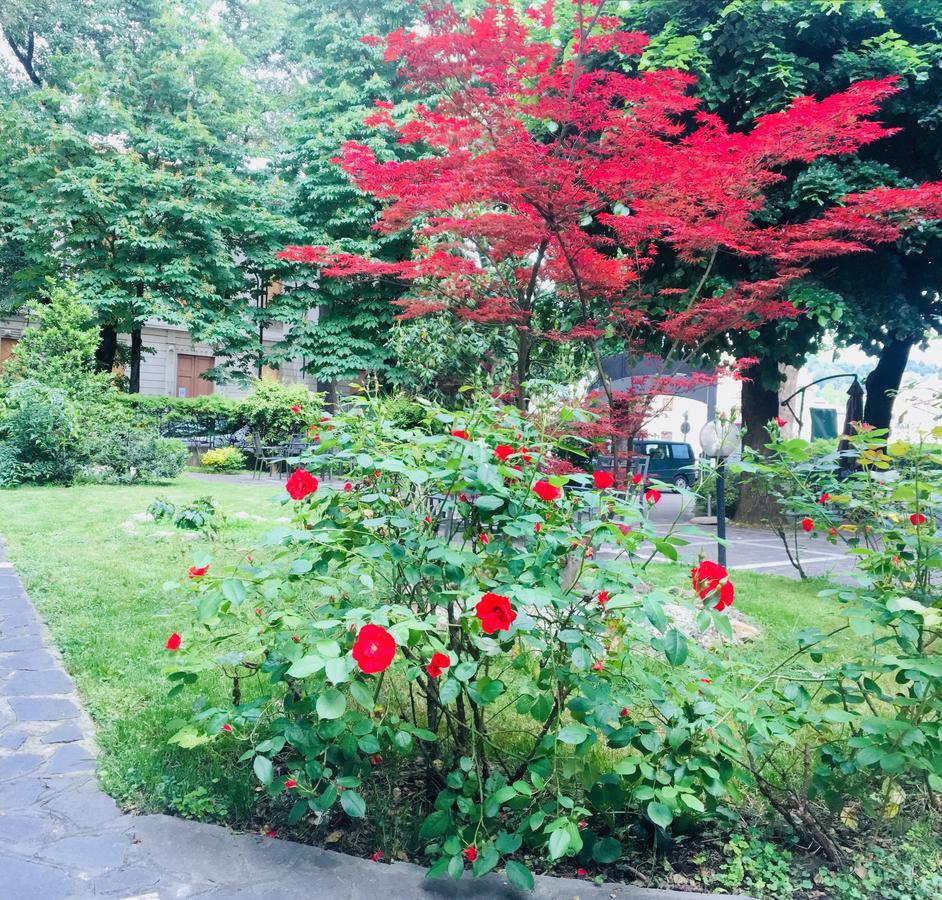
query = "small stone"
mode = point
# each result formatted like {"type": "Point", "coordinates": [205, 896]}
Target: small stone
{"type": "Point", "coordinates": [38, 683]}
{"type": "Point", "coordinates": [64, 734]}
{"type": "Point", "coordinates": [43, 709]}
{"type": "Point", "coordinates": [71, 758]}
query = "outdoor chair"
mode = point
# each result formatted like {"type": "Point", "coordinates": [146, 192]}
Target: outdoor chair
{"type": "Point", "coordinates": [267, 456]}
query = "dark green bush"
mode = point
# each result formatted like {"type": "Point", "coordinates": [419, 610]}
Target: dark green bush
{"type": "Point", "coordinates": [40, 434]}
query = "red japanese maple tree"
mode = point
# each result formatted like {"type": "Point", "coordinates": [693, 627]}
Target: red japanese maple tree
{"type": "Point", "coordinates": [546, 180]}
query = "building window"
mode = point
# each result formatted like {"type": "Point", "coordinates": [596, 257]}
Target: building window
{"type": "Point", "coordinates": [190, 371]}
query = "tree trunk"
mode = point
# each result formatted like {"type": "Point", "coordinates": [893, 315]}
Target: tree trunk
{"type": "Point", "coordinates": [134, 377]}
{"type": "Point", "coordinates": [107, 349]}
{"type": "Point", "coordinates": [523, 366]}
{"type": "Point", "coordinates": [884, 381]}
{"type": "Point", "coordinates": [759, 407]}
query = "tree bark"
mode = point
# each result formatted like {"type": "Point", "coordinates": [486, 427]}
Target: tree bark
{"type": "Point", "coordinates": [523, 366]}
{"type": "Point", "coordinates": [884, 381]}
{"type": "Point", "coordinates": [759, 407]}
{"type": "Point", "coordinates": [107, 349]}
{"type": "Point", "coordinates": [134, 377]}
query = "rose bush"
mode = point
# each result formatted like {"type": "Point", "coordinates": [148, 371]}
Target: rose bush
{"type": "Point", "coordinates": [472, 623]}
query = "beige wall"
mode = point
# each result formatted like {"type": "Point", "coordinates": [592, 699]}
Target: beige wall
{"type": "Point", "coordinates": [159, 369]}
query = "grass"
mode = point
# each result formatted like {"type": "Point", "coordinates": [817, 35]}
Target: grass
{"type": "Point", "coordinates": [96, 575]}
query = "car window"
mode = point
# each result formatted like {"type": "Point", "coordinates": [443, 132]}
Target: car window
{"type": "Point", "coordinates": [656, 451]}
{"type": "Point", "coordinates": [681, 451]}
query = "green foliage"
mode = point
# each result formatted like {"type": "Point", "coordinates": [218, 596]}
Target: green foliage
{"type": "Point", "coordinates": [223, 459]}
{"type": "Point", "coordinates": [207, 416]}
{"type": "Point", "coordinates": [120, 450]}
{"type": "Point", "coordinates": [402, 549]}
{"type": "Point", "coordinates": [58, 347]}
{"type": "Point", "coordinates": [268, 411]}
{"type": "Point", "coordinates": [753, 864]}
{"type": "Point", "coordinates": [39, 434]}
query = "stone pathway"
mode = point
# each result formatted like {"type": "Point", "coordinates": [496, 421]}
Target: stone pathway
{"type": "Point", "coordinates": [61, 838]}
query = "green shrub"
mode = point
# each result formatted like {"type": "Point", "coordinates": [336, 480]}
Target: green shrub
{"type": "Point", "coordinates": [223, 459]}
{"type": "Point", "coordinates": [269, 411]}
{"type": "Point", "coordinates": [120, 450]}
{"type": "Point", "coordinates": [10, 472]}
{"type": "Point", "coordinates": [40, 433]}
{"type": "Point", "coordinates": [186, 416]}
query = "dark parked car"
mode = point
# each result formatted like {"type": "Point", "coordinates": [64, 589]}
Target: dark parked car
{"type": "Point", "coordinates": [669, 461]}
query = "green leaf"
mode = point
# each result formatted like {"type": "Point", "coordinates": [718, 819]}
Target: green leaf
{"type": "Point", "coordinates": [362, 694]}
{"type": "Point", "coordinates": [519, 875]}
{"type": "Point", "coordinates": [606, 850]}
{"type": "Point", "coordinates": [233, 589]}
{"type": "Point", "coordinates": [660, 813]}
{"type": "Point", "coordinates": [675, 647]}
{"type": "Point", "coordinates": [558, 843]}
{"type": "Point", "coordinates": [331, 704]}
{"type": "Point", "coordinates": [573, 734]}
{"type": "Point", "coordinates": [448, 691]}
{"type": "Point", "coordinates": [306, 665]}
{"type": "Point", "coordinates": [353, 804]}
{"type": "Point", "coordinates": [435, 825]}
{"type": "Point", "coordinates": [489, 502]}
{"type": "Point", "coordinates": [264, 770]}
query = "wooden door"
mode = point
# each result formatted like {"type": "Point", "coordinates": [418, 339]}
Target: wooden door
{"type": "Point", "coordinates": [6, 349]}
{"type": "Point", "coordinates": [190, 369]}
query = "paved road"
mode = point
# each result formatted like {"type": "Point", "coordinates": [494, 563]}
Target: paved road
{"type": "Point", "coordinates": [61, 838]}
{"type": "Point", "coordinates": [756, 549]}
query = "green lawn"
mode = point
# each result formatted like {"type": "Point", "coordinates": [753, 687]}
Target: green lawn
{"type": "Point", "coordinates": [97, 575]}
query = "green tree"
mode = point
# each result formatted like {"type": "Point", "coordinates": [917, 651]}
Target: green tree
{"type": "Point", "coordinates": [128, 172]}
{"type": "Point", "coordinates": [754, 56]}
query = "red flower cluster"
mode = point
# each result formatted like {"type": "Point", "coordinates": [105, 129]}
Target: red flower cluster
{"type": "Point", "coordinates": [603, 480]}
{"type": "Point", "coordinates": [296, 409]}
{"type": "Point", "coordinates": [503, 452]}
{"type": "Point", "coordinates": [440, 662]}
{"type": "Point", "coordinates": [374, 649]}
{"type": "Point", "coordinates": [197, 571]}
{"type": "Point", "coordinates": [300, 484]}
{"type": "Point", "coordinates": [546, 491]}
{"type": "Point", "coordinates": [470, 854]}
{"type": "Point", "coordinates": [709, 577]}
{"type": "Point", "coordinates": [807, 524]}
{"type": "Point", "coordinates": [495, 613]}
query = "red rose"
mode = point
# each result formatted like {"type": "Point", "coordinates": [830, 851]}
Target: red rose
{"type": "Point", "coordinates": [440, 662]}
{"type": "Point", "coordinates": [377, 856]}
{"type": "Point", "coordinates": [485, 539]}
{"type": "Point", "coordinates": [545, 491]}
{"type": "Point", "coordinates": [300, 484]}
{"type": "Point", "coordinates": [227, 728]}
{"type": "Point", "coordinates": [781, 422]}
{"type": "Point", "coordinates": [503, 452]}
{"type": "Point", "coordinates": [581, 872]}
{"type": "Point", "coordinates": [524, 452]}
{"type": "Point", "coordinates": [347, 487]}
{"type": "Point", "coordinates": [538, 528]}
{"type": "Point", "coordinates": [296, 408]}
{"type": "Point", "coordinates": [917, 518]}
{"type": "Point", "coordinates": [624, 712]}
{"type": "Point", "coordinates": [603, 480]}
{"type": "Point", "coordinates": [603, 598]}
{"type": "Point", "coordinates": [291, 783]}
{"type": "Point", "coordinates": [197, 571]}
{"type": "Point", "coordinates": [324, 419]}
{"type": "Point", "coordinates": [824, 498]}
{"type": "Point", "coordinates": [461, 433]}
{"type": "Point", "coordinates": [374, 649]}
{"type": "Point", "coordinates": [495, 613]}
{"type": "Point", "coordinates": [598, 665]}
{"type": "Point", "coordinates": [832, 532]}
{"type": "Point", "coordinates": [807, 524]}
{"type": "Point", "coordinates": [470, 854]}
{"type": "Point", "coordinates": [623, 528]}
{"type": "Point", "coordinates": [652, 496]}
{"type": "Point", "coordinates": [636, 478]}
{"type": "Point", "coordinates": [428, 520]}
{"type": "Point", "coordinates": [710, 577]}
{"type": "Point", "coordinates": [376, 760]}
{"type": "Point", "coordinates": [173, 642]}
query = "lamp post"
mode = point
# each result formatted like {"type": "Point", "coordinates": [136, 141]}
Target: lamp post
{"type": "Point", "coordinates": [720, 440]}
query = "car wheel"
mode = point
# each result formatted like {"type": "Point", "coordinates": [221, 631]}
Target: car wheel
{"type": "Point", "coordinates": [680, 482]}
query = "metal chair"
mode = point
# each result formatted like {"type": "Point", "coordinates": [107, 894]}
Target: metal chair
{"type": "Point", "coordinates": [267, 456]}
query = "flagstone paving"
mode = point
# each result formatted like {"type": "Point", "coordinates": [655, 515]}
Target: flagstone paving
{"type": "Point", "coordinates": [61, 838]}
